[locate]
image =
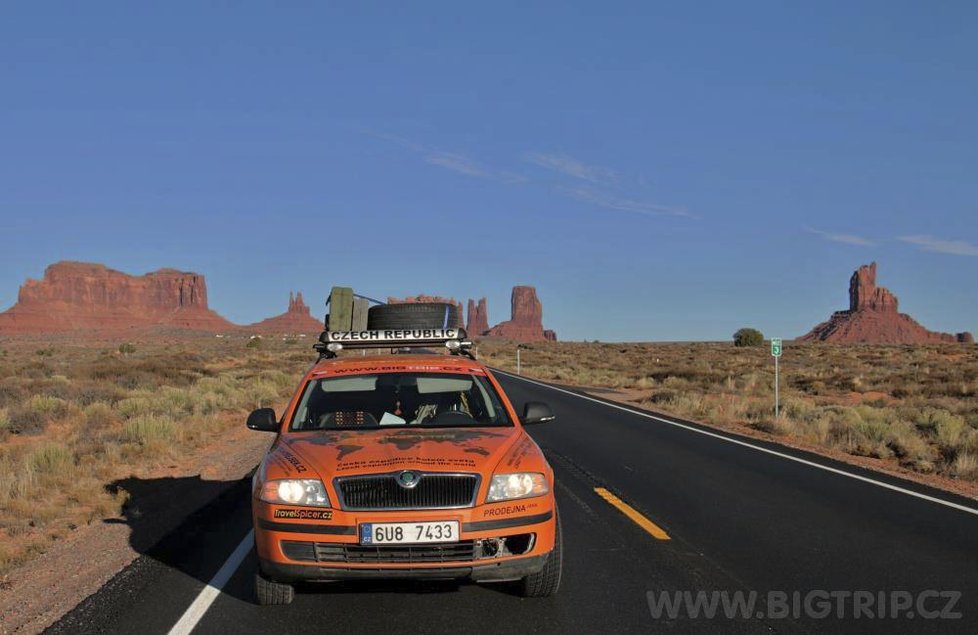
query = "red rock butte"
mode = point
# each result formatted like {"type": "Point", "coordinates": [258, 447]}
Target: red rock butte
{"type": "Point", "coordinates": [526, 319]}
{"type": "Point", "coordinates": [298, 319]}
{"type": "Point", "coordinates": [478, 322]}
{"type": "Point", "coordinates": [873, 318]}
{"type": "Point", "coordinates": [84, 296]}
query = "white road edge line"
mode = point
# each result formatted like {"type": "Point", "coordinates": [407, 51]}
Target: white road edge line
{"type": "Point", "coordinates": [796, 459]}
{"type": "Point", "coordinates": [196, 611]}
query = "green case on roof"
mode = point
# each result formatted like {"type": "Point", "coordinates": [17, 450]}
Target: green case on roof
{"type": "Point", "coordinates": [340, 308]}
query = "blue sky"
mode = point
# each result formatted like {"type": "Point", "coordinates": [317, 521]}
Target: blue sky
{"type": "Point", "coordinates": [659, 171]}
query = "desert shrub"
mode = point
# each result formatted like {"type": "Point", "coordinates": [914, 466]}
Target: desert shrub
{"type": "Point", "coordinates": [50, 458]}
{"type": "Point", "coordinates": [37, 369]}
{"type": "Point", "coordinates": [8, 474]}
{"type": "Point", "coordinates": [818, 427]}
{"type": "Point", "coordinates": [689, 404]}
{"type": "Point", "coordinates": [135, 406]}
{"type": "Point", "coordinates": [254, 342]}
{"type": "Point", "coordinates": [172, 402]}
{"type": "Point", "coordinates": [748, 337]}
{"type": "Point", "coordinates": [966, 466]}
{"type": "Point", "coordinates": [4, 420]}
{"type": "Point", "coordinates": [22, 420]}
{"type": "Point", "coordinates": [214, 394]}
{"type": "Point", "coordinates": [262, 394]}
{"type": "Point", "coordinates": [51, 406]}
{"type": "Point", "coordinates": [99, 415]}
{"type": "Point", "coordinates": [282, 381]}
{"type": "Point", "coordinates": [94, 392]}
{"type": "Point", "coordinates": [128, 348]}
{"type": "Point", "coordinates": [662, 396]}
{"type": "Point", "coordinates": [56, 386]}
{"type": "Point", "coordinates": [130, 373]}
{"type": "Point", "coordinates": [949, 430]}
{"type": "Point", "coordinates": [11, 392]}
{"type": "Point", "coordinates": [146, 429]}
{"type": "Point", "coordinates": [758, 410]}
{"type": "Point", "coordinates": [797, 409]}
{"type": "Point", "coordinates": [778, 426]}
{"type": "Point", "coordinates": [33, 416]}
{"type": "Point", "coordinates": [908, 444]}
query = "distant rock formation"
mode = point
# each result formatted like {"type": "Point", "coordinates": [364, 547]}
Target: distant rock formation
{"type": "Point", "coordinates": [478, 322]}
{"type": "Point", "coordinates": [526, 321]}
{"type": "Point", "coordinates": [873, 318]}
{"type": "Point", "coordinates": [432, 298]}
{"type": "Point", "coordinates": [85, 296]}
{"type": "Point", "coordinates": [298, 319]}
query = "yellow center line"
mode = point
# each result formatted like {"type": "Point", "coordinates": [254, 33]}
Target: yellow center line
{"type": "Point", "coordinates": [633, 514]}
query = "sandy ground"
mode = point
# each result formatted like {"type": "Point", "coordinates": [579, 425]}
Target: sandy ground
{"type": "Point", "coordinates": [37, 594]}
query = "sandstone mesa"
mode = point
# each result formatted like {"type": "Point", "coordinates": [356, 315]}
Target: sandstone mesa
{"type": "Point", "coordinates": [92, 298]}
{"type": "Point", "coordinates": [526, 319]}
{"type": "Point", "coordinates": [297, 319]}
{"type": "Point", "coordinates": [75, 296]}
{"type": "Point", "coordinates": [873, 318]}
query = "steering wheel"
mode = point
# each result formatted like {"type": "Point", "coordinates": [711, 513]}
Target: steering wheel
{"type": "Point", "coordinates": [451, 418]}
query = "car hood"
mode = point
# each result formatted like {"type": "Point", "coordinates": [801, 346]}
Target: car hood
{"type": "Point", "coordinates": [349, 452]}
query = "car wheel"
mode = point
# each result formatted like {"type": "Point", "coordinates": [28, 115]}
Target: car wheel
{"type": "Point", "coordinates": [268, 592]}
{"type": "Point", "coordinates": [546, 581]}
{"type": "Point", "coordinates": [423, 315]}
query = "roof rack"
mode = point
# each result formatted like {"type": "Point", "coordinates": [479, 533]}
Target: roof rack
{"type": "Point", "coordinates": [454, 339]}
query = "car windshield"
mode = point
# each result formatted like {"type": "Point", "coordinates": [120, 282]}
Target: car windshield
{"type": "Point", "coordinates": [398, 399]}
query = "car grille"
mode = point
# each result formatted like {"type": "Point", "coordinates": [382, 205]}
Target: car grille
{"type": "Point", "coordinates": [382, 491]}
{"type": "Point", "coordinates": [463, 551]}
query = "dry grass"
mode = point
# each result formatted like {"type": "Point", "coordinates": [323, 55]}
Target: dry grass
{"type": "Point", "coordinates": [914, 405]}
{"type": "Point", "coordinates": [73, 420]}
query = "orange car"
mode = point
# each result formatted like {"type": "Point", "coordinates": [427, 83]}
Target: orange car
{"type": "Point", "coordinates": [403, 466]}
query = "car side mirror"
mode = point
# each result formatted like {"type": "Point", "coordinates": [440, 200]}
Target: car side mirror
{"type": "Point", "coordinates": [537, 412]}
{"type": "Point", "coordinates": [263, 420]}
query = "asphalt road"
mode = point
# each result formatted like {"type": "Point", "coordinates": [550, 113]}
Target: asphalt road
{"type": "Point", "coordinates": [739, 519]}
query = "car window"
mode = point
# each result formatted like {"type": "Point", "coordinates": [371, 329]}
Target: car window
{"type": "Point", "coordinates": [399, 400]}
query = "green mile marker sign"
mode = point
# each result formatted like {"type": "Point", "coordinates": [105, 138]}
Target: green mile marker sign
{"type": "Point", "coordinates": [776, 346]}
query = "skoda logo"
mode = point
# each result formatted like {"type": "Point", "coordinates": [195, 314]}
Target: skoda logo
{"type": "Point", "coordinates": [408, 479]}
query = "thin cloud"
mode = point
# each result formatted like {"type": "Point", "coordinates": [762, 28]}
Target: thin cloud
{"type": "Point", "coordinates": [572, 167]}
{"type": "Point", "coordinates": [467, 166]}
{"type": "Point", "coordinates": [457, 163]}
{"type": "Point", "coordinates": [454, 161]}
{"type": "Point", "coordinates": [930, 243]}
{"type": "Point", "coordinates": [849, 239]}
{"type": "Point", "coordinates": [621, 204]}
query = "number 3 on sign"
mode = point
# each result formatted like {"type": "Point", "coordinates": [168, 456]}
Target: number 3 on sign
{"type": "Point", "coordinates": [776, 346]}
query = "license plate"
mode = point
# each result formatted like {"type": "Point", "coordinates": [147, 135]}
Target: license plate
{"type": "Point", "coordinates": [408, 533]}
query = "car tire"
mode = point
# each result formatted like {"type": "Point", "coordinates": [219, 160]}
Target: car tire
{"type": "Point", "coordinates": [546, 581]}
{"type": "Point", "coordinates": [417, 315]}
{"type": "Point", "coordinates": [271, 593]}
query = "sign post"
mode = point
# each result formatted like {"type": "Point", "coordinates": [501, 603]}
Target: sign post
{"type": "Point", "coordinates": [518, 359]}
{"type": "Point", "coordinates": [776, 354]}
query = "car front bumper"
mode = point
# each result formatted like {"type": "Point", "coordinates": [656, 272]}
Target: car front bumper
{"type": "Point", "coordinates": [291, 549]}
{"type": "Point", "coordinates": [502, 571]}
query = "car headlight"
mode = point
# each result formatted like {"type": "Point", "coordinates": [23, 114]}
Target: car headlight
{"type": "Point", "coordinates": [519, 485]}
{"type": "Point", "coordinates": [307, 491]}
